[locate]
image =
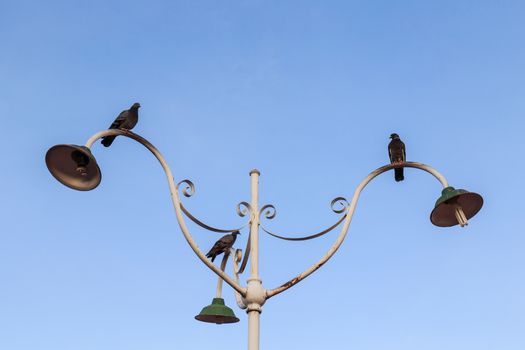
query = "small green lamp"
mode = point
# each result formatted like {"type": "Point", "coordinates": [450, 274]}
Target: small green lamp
{"type": "Point", "coordinates": [217, 312]}
{"type": "Point", "coordinates": [455, 207]}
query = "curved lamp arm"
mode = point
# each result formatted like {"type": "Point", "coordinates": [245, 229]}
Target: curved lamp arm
{"type": "Point", "coordinates": [349, 214]}
{"type": "Point", "coordinates": [236, 257]}
{"type": "Point", "coordinates": [175, 199]}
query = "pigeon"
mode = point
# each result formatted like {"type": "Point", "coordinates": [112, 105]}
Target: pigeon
{"type": "Point", "coordinates": [397, 154]}
{"type": "Point", "coordinates": [126, 120]}
{"type": "Point", "coordinates": [222, 245]}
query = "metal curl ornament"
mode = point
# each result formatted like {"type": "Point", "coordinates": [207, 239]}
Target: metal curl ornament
{"type": "Point", "coordinates": [342, 202]}
{"type": "Point", "coordinates": [188, 190]}
{"type": "Point", "coordinates": [238, 255]}
{"type": "Point", "coordinates": [269, 211]}
{"type": "Point", "coordinates": [339, 200]}
{"type": "Point", "coordinates": [243, 209]}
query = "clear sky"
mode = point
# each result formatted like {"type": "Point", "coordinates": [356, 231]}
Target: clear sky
{"type": "Point", "coordinates": [308, 92]}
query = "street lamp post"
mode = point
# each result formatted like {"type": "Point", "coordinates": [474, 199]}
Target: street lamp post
{"type": "Point", "coordinates": [76, 167]}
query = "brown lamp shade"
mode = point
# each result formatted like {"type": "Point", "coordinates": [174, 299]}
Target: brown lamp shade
{"type": "Point", "coordinates": [444, 213]}
{"type": "Point", "coordinates": [74, 166]}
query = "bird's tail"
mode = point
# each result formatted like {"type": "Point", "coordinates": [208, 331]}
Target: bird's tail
{"type": "Point", "coordinates": [108, 140]}
{"type": "Point", "coordinates": [398, 174]}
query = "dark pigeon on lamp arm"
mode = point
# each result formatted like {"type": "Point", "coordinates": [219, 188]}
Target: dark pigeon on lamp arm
{"type": "Point", "coordinates": [126, 120]}
{"type": "Point", "coordinates": [222, 245]}
{"type": "Point", "coordinates": [397, 154]}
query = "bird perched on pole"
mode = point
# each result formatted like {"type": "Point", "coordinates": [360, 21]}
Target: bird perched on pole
{"type": "Point", "coordinates": [126, 120]}
{"type": "Point", "coordinates": [222, 245]}
{"type": "Point", "coordinates": [397, 154]}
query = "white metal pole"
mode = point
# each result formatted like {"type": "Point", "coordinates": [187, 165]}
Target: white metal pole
{"type": "Point", "coordinates": [254, 282]}
{"type": "Point", "coordinates": [254, 224]}
{"type": "Point", "coordinates": [253, 329]}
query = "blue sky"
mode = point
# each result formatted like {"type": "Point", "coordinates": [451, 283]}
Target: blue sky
{"type": "Point", "coordinates": [307, 92]}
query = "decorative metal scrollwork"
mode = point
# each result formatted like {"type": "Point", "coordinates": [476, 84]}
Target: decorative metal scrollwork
{"type": "Point", "coordinates": [270, 212]}
{"type": "Point", "coordinates": [246, 255]}
{"type": "Point", "coordinates": [188, 190]}
{"type": "Point", "coordinates": [342, 202]}
{"type": "Point", "coordinates": [243, 209]}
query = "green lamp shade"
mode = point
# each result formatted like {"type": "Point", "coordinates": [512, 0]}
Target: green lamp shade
{"type": "Point", "coordinates": [217, 313]}
{"type": "Point", "coordinates": [455, 207]}
{"type": "Point", "coordinates": [74, 166]}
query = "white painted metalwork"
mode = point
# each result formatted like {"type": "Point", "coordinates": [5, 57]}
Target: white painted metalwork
{"type": "Point", "coordinates": [349, 214]}
{"type": "Point", "coordinates": [253, 296]}
{"type": "Point", "coordinates": [175, 199]}
{"type": "Point", "coordinates": [236, 271]}
{"type": "Point", "coordinates": [218, 294]}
